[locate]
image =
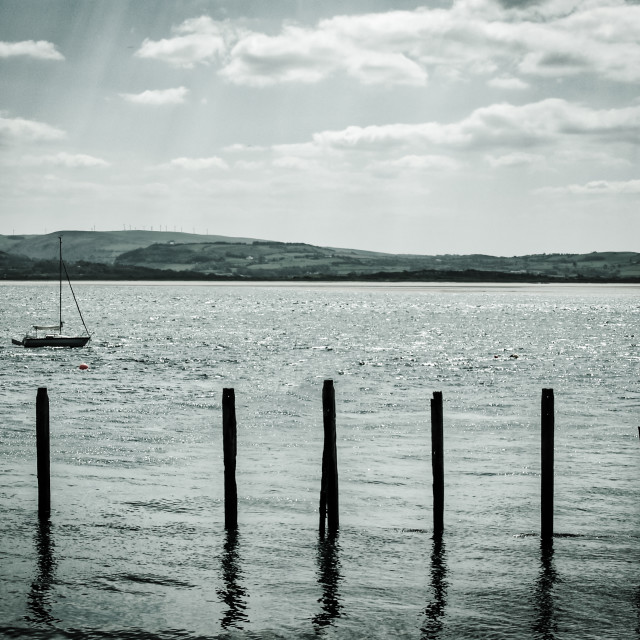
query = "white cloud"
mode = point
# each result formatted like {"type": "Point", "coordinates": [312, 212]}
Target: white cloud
{"type": "Point", "coordinates": [22, 130]}
{"type": "Point", "coordinates": [242, 148]}
{"type": "Point", "coordinates": [157, 97]}
{"type": "Point", "coordinates": [497, 126]}
{"type": "Point", "coordinates": [294, 162]}
{"type": "Point", "coordinates": [309, 55]}
{"type": "Point", "coordinates": [470, 38]}
{"type": "Point", "coordinates": [505, 82]}
{"type": "Point", "coordinates": [62, 187]}
{"type": "Point", "coordinates": [419, 163]}
{"type": "Point", "coordinates": [386, 137]}
{"type": "Point", "coordinates": [248, 165]}
{"type": "Point", "coordinates": [297, 55]}
{"type": "Point", "coordinates": [601, 40]}
{"type": "Point", "coordinates": [63, 159]}
{"type": "Point", "coordinates": [597, 187]}
{"type": "Point", "coordinates": [41, 50]}
{"type": "Point", "coordinates": [592, 155]}
{"type": "Point", "coordinates": [197, 164]}
{"type": "Point", "coordinates": [473, 37]}
{"type": "Point", "coordinates": [302, 149]}
{"type": "Point", "coordinates": [196, 41]}
{"type": "Point", "coordinates": [389, 68]}
{"type": "Point", "coordinates": [514, 159]}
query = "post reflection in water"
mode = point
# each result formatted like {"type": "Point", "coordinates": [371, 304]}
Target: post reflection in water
{"type": "Point", "coordinates": [39, 599]}
{"type": "Point", "coordinates": [329, 578]}
{"type": "Point", "coordinates": [435, 610]}
{"type": "Point", "coordinates": [545, 625]}
{"type": "Point", "coordinates": [638, 606]}
{"type": "Point", "coordinates": [233, 595]}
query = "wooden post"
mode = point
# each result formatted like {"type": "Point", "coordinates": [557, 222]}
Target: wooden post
{"type": "Point", "coordinates": [229, 444]}
{"type": "Point", "coordinates": [437, 463]}
{"type": "Point", "coordinates": [547, 423]}
{"type": "Point", "coordinates": [42, 449]}
{"type": "Point", "coordinates": [329, 485]}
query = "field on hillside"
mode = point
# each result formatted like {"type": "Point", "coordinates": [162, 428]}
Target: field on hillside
{"type": "Point", "coordinates": [140, 254]}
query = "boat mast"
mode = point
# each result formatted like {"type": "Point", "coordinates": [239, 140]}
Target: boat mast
{"type": "Point", "coordinates": [60, 269]}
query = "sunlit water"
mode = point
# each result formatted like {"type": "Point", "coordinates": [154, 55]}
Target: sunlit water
{"type": "Point", "coordinates": [136, 547]}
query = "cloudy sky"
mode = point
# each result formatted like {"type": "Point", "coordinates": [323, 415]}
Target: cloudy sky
{"type": "Point", "coordinates": [502, 127]}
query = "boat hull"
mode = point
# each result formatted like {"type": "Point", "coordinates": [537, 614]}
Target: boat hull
{"type": "Point", "coordinates": [53, 341]}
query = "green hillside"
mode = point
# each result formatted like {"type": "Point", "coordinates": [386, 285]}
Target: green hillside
{"type": "Point", "coordinates": [97, 246]}
{"type": "Point", "coordinates": [287, 260]}
{"type": "Point", "coordinates": [165, 255]}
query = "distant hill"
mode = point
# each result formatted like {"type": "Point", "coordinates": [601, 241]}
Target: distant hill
{"type": "Point", "coordinates": [97, 246]}
{"type": "Point", "coordinates": [166, 255]}
{"type": "Point", "coordinates": [288, 260]}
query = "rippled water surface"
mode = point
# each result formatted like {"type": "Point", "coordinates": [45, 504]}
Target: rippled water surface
{"type": "Point", "coordinates": [136, 547]}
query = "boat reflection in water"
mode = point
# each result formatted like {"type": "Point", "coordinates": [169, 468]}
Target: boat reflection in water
{"type": "Point", "coordinates": [329, 578]}
{"type": "Point", "coordinates": [233, 595]}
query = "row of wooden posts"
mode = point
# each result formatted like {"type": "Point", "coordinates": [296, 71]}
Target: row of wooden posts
{"type": "Point", "coordinates": [329, 503]}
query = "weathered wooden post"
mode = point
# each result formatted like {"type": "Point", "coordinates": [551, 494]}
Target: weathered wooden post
{"type": "Point", "coordinates": [229, 444]}
{"type": "Point", "coordinates": [42, 449]}
{"type": "Point", "coordinates": [437, 463]}
{"type": "Point", "coordinates": [329, 510]}
{"type": "Point", "coordinates": [547, 424]}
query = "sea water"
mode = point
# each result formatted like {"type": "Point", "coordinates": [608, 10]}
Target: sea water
{"type": "Point", "coordinates": [136, 548]}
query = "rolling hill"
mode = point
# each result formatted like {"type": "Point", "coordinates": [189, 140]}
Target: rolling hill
{"type": "Point", "coordinates": [97, 246]}
{"type": "Point", "coordinates": [169, 255]}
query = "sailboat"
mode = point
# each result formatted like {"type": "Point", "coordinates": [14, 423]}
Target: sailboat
{"type": "Point", "coordinates": [51, 335]}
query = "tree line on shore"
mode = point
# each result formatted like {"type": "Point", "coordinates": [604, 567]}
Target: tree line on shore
{"type": "Point", "coordinates": [14, 267]}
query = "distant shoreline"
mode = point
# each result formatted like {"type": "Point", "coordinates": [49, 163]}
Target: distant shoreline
{"type": "Point", "coordinates": [431, 277]}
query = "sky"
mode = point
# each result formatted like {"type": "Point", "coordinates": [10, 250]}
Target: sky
{"type": "Point", "coordinates": [475, 126]}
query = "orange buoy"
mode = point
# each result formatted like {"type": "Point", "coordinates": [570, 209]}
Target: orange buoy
{"type": "Point", "coordinates": [83, 367]}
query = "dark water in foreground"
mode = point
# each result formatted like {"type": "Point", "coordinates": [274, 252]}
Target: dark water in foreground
{"type": "Point", "coordinates": [136, 548]}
